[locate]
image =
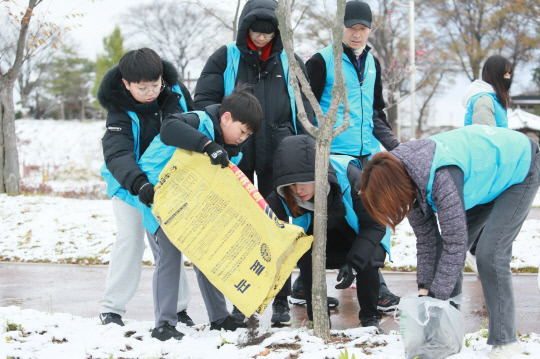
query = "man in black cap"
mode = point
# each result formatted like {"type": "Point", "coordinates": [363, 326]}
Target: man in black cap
{"type": "Point", "coordinates": [368, 127]}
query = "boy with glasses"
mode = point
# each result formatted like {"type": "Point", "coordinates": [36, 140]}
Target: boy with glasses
{"type": "Point", "coordinates": [138, 94]}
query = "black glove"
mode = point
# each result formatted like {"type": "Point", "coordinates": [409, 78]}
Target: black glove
{"type": "Point", "coordinates": [218, 155]}
{"type": "Point", "coordinates": [146, 194]}
{"type": "Point", "coordinates": [345, 276]}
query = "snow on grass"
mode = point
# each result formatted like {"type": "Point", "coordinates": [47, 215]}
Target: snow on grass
{"type": "Point", "coordinates": [57, 230]}
{"type": "Point", "coordinates": [33, 334]}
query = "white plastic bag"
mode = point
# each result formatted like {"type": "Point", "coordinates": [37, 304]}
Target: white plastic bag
{"type": "Point", "coordinates": [430, 328]}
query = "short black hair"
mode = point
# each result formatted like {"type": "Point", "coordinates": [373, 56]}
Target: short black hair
{"type": "Point", "coordinates": [244, 107]}
{"type": "Point", "coordinates": [140, 65]}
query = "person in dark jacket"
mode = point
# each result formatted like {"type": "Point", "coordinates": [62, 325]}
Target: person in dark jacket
{"type": "Point", "coordinates": [137, 94]}
{"type": "Point", "coordinates": [368, 127]}
{"type": "Point", "coordinates": [218, 131]}
{"type": "Point", "coordinates": [257, 58]}
{"type": "Point", "coordinates": [353, 237]}
{"type": "Point", "coordinates": [474, 181]}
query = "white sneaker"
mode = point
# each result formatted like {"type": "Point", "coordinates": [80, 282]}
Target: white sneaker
{"type": "Point", "coordinates": [470, 260]}
{"type": "Point", "coordinates": [505, 351]}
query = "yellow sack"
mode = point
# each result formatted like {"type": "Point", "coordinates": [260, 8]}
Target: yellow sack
{"type": "Point", "coordinates": [218, 219]}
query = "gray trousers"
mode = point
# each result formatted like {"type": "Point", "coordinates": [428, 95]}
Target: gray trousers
{"type": "Point", "coordinates": [496, 225]}
{"type": "Point", "coordinates": [124, 271]}
{"type": "Point", "coordinates": [165, 283]}
{"type": "Point", "coordinates": [214, 300]}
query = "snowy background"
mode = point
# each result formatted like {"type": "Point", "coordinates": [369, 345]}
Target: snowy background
{"type": "Point", "coordinates": [74, 223]}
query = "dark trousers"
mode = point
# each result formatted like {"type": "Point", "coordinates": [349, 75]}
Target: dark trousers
{"type": "Point", "coordinates": [367, 282]}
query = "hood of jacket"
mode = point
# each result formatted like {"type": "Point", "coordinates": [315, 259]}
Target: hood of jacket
{"type": "Point", "coordinates": [476, 87]}
{"type": "Point", "coordinates": [257, 10]}
{"type": "Point", "coordinates": [113, 95]}
{"type": "Point", "coordinates": [294, 162]}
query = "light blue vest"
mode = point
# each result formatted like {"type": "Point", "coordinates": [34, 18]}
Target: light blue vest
{"type": "Point", "coordinates": [340, 164]}
{"type": "Point", "coordinates": [154, 160]}
{"type": "Point", "coordinates": [359, 136]}
{"type": "Point", "coordinates": [501, 117]}
{"type": "Point", "coordinates": [491, 158]}
{"type": "Point", "coordinates": [113, 186]}
{"type": "Point", "coordinates": [231, 72]}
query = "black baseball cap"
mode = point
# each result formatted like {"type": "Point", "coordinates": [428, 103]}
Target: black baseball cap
{"type": "Point", "coordinates": [357, 12]}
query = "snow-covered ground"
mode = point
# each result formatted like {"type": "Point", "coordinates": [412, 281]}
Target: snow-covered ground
{"type": "Point", "coordinates": [63, 158]}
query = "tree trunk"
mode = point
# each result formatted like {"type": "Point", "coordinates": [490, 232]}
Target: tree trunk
{"type": "Point", "coordinates": [9, 157]}
{"type": "Point", "coordinates": [83, 109]}
{"type": "Point", "coordinates": [62, 110]}
{"type": "Point", "coordinates": [324, 136]}
{"type": "Point", "coordinates": [321, 321]}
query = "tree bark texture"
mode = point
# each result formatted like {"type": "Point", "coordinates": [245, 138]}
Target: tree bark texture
{"type": "Point", "coordinates": [324, 135]}
{"type": "Point", "coordinates": [9, 157]}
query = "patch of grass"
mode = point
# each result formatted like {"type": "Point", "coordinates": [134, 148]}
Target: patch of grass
{"type": "Point", "coordinates": [58, 341]}
{"type": "Point", "coordinates": [525, 270]}
{"type": "Point", "coordinates": [129, 333]}
{"type": "Point", "coordinates": [28, 236]}
{"type": "Point", "coordinates": [12, 327]}
{"type": "Point", "coordinates": [287, 346]}
{"type": "Point", "coordinates": [345, 355]}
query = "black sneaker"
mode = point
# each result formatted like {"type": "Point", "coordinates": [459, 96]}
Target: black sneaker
{"type": "Point", "coordinates": [280, 312]}
{"type": "Point", "coordinates": [298, 297]}
{"type": "Point", "coordinates": [166, 332]}
{"type": "Point", "coordinates": [372, 322]}
{"type": "Point", "coordinates": [237, 314]}
{"type": "Point", "coordinates": [227, 324]}
{"type": "Point", "coordinates": [388, 302]}
{"type": "Point", "coordinates": [184, 318]}
{"type": "Point", "coordinates": [107, 318]}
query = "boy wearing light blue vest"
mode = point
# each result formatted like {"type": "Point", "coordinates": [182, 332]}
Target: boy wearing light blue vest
{"type": "Point", "coordinates": [138, 94]}
{"type": "Point", "coordinates": [368, 127]}
{"type": "Point", "coordinates": [218, 131]}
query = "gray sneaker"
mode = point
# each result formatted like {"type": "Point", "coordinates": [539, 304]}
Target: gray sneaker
{"type": "Point", "coordinates": [280, 312]}
{"type": "Point", "coordinates": [237, 314]}
{"type": "Point", "coordinates": [107, 318]}
{"type": "Point", "coordinates": [184, 318]}
{"type": "Point", "coordinates": [372, 322]}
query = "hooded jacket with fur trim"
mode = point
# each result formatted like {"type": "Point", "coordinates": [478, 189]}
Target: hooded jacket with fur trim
{"type": "Point", "coordinates": [118, 141]}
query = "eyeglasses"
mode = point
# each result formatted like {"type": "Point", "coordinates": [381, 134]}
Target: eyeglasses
{"type": "Point", "coordinates": [155, 89]}
{"type": "Point", "coordinates": [256, 35]}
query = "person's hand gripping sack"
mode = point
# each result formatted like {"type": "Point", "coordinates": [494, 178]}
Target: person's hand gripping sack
{"type": "Point", "coordinates": [345, 276]}
{"type": "Point", "coordinates": [217, 154]}
{"type": "Point", "coordinates": [146, 194]}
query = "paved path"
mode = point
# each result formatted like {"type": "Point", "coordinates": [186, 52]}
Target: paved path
{"type": "Point", "coordinates": [78, 289]}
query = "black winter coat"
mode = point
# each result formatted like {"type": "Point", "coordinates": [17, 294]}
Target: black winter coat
{"type": "Point", "coordinates": [316, 68]}
{"type": "Point", "coordinates": [118, 141]}
{"type": "Point", "coordinates": [295, 162]}
{"type": "Point", "coordinates": [181, 130]}
{"type": "Point", "coordinates": [269, 86]}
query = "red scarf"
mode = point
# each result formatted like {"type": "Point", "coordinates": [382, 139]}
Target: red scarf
{"type": "Point", "coordinates": [265, 51]}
